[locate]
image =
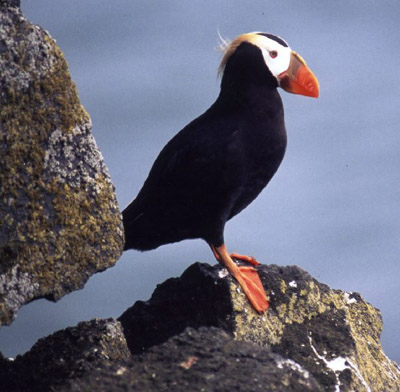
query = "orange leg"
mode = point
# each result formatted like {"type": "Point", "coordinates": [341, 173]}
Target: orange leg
{"type": "Point", "coordinates": [247, 278]}
{"type": "Point", "coordinates": [249, 259]}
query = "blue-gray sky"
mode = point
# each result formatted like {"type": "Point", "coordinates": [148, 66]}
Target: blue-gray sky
{"type": "Point", "coordinates": [144, 69]}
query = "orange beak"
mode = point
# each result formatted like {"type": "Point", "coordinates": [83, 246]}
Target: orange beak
{"type": "Point", "coordinates": [298, 79]}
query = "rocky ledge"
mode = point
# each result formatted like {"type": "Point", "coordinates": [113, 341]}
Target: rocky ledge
{"type": "Point", "coordinates": [199, 333]}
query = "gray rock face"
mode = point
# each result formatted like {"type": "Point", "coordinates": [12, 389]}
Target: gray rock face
{"type": "Point", "coordinates": [60, 221]}
{"type": "Point", "coordinates": [65, 355]}
{"type": "Point", "coordinates": [14, 3]}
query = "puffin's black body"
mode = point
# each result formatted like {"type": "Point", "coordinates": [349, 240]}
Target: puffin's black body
{"type": "Point", "coordinates": [221, 161]}
{"type": "Point", "coordinates": [215, 166]}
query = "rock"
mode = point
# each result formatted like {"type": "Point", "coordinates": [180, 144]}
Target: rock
{"type": "Point", "coordinates": [13, 3]}
{"type": "Point", "coordinates": [199, 333]}
{"type": "Point", "coordinates": [207, 359]}
{"type": "Point", "coordinates": [65, 355]}
{"type": "Point", "coordinates": [200, 297]}
{"type": "Point", "coordinates": [60, 221]}
{"type": "Point", "coordinates": [331, 334]}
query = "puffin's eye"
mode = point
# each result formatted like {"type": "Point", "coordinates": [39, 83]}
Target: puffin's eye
{"type": "Point", "coordinates": [273, 53]}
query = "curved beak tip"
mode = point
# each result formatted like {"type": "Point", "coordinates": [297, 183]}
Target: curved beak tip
{"type": "Point", "coordinates": [299, 79]}
{"type": "Point", "coordinates": [309, 82]}
{"type": "Point", "coordinates": [313, 88]}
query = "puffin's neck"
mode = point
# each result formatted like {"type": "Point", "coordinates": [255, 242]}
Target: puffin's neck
{"type": "Point", "coordinates": [257, 98]}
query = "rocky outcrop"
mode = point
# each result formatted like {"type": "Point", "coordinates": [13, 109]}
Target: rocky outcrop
{"type": "Point", "coordinates": [331, 334]}
{"type": "Point", "coordinates": [199, 333]}
{"type": "Point", "coordinates": [65, 355]}
{"type": "Point", "coordinates": [60, 220]}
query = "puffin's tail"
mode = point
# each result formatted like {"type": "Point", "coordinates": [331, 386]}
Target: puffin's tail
{"type": "Point", "coordinates": [150, 224]}
{"type": "Point", "coordinates": [134, 227]}
{"type": "Point", "coordinates": [143, 229]}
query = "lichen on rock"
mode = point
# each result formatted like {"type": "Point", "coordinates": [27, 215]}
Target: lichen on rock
{"type": "Point", "coordinates": [60, 220]}
{"type": "Point", "coordinates": [331, 334]}
{"type": "Point", "coordinates": [335, 335]}
{"type": "Point", "coordinates": [198, 332]}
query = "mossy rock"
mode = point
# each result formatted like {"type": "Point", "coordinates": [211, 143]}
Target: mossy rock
{"type": "Point", "coordinates": [60, 220]}
{"type": "Point", "coordinates": [333, 335]}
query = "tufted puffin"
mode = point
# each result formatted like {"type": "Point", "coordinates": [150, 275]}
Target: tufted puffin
{"type": "Point", "coordinates": [220, 162]}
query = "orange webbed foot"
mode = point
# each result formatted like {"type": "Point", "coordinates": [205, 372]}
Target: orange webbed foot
{"type": "Point", "coordinates": [250, 282]}
{"type": "Point", "coordinates": [247, 277]}
{"type": "Point", "coordinates": [248, 259]}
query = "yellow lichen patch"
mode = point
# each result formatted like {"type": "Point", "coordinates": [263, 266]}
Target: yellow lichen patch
{"type": "Point", "coordinates": [264, 329]}
{"type": "Point", "coordinates": [291, 313]}
{"type": "Point", "coordinates": [297, 310]}
{"type": "Point", "coordinates": [377, 370]}
{"type": "Point", "coordinates": [282, 311]}
{"type": "Point", "coordinates": [283, 286]}
{"type": "Point", "coordinates": [369, 366]}
{"type": "Point", "coordinates": [307, 309]}
{"type": "Point", "coordinates": [79, 237]}
{"type": "Point", "coordinates": [303, 292]}
{"type": "Point", "coordinates": [267, 329]}
{"type": "Point", "coordinates": [365, 326]}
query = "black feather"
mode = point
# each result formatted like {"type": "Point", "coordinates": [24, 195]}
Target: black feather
{"type": "Point", "coordinates": [215, 166]}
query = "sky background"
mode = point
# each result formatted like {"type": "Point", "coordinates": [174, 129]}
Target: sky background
{"type": "Point", "coordinates": [144, 69]}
